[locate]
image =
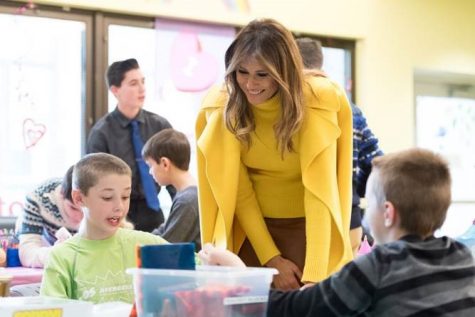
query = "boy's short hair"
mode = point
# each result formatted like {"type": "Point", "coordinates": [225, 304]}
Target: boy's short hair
{"type": "Point", "coordinates": [418, 183]}
{"type": "Point", "coordinates": [91, 167]}
{"type": "Point", "coordinates": [311, 51]}
{"type": "Point", "coordinates": [171, 144]}
{"type": "Point", "coordinates": [116, 71]}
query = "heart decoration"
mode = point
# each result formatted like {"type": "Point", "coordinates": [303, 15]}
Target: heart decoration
{"type": "Point", "coordinates": [32, 132]}
{"type": "Point", "coordinates": [192, 68]}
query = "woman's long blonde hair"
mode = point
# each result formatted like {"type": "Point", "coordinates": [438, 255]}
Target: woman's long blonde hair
{"type": "Point", "coordinates": [274, 46]}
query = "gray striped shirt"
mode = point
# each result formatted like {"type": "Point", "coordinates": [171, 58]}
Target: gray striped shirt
{"type": "Point", "coordinates": [408, 277]}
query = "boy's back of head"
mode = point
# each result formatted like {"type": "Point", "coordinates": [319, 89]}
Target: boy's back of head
{"type": "Point", "coordinates": [311, 51]}
{"type": "Point", "coordinates": [91, 167]}
{"type": "Point", "coordinates": [115, 73]}
{"type": "Point", "coordinates": [418, 183]}
{"type": "Point", "coordinates": [171, 144]}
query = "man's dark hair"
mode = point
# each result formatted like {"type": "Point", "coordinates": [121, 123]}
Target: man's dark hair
{"type": "Point", "coordinates": [311, 51]}
{"type": "Point", "coordinates": [116, 71]}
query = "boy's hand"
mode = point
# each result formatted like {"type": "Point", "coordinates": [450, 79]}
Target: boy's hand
{"type": "Point", "coordinates": [289, 274]}
{"type": "Point", "coordinates": [210, 255]}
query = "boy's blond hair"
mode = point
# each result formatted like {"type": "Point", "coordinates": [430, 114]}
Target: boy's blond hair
{"type": "Point", "coordinates": [91, 167]}
{"type": "Point", "coordinates": [418, 183]}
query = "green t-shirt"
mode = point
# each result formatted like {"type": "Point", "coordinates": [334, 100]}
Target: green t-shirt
{"type": "Point", "coordinates": [94, 270]}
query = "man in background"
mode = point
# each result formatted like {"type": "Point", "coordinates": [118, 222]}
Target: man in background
{"type": "Point", "coordinates": [365, 144]}
{"type": "Point", "coordinates": [123, 133]}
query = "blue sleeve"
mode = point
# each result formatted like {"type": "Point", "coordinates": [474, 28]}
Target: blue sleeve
{"type": "Point", "coordinates": [365, 148]}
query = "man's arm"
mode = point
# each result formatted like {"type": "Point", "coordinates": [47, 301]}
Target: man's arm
{"type": "Point", "coordinates": [97, 142]}
{"type": "Point", "coordinates": [368, 148]}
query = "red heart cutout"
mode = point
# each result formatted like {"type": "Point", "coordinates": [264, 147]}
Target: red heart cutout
{"type": "Point", "coordinates": [192, 69]}
{"type": "Point", "coordinates": [32, 132]}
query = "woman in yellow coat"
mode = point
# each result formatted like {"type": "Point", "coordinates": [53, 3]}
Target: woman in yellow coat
{"type": "Point", "coordinates": [274, 152]}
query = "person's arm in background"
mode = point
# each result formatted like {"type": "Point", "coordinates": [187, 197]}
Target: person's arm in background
{"type": "Point", "coordinates": [366, 148]}
{"type": "Point", "coordinates": [96, 142]}
{"type": "Point", "coordinates": [33, 251]}
{"type": "Point", "coordinates": [250, 217]}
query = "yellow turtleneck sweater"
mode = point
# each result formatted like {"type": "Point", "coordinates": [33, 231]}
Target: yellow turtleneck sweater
{"type": "Point", "coordinates": [277, 181]}
{"type": "Point", "coordinates": [239, 187]}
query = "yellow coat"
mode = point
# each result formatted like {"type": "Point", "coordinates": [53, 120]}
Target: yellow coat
{"type": "Point", "coordinates": [326, 161]}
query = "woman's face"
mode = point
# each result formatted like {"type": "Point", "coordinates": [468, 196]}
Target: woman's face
{"type": "Point", "coordinates": [255, 81]}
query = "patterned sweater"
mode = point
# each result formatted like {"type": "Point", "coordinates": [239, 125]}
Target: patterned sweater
{"type": "Point", "coordinates": [41, 218]}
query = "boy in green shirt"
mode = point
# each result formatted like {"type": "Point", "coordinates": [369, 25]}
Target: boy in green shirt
{"type": "Point", "coordinates": [91, 265]}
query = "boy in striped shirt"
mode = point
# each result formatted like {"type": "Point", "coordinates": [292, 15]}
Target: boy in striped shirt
{"type": "Point", "coordinates": [409, 272]}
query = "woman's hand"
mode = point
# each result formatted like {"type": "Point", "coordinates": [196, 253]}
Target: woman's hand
{"type": "Point", "coordinates": [289, 274]}
{"type": "Point", "coordinates": [210, 255]}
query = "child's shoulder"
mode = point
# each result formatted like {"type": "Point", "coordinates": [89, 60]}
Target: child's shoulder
{"type": "Point", "coordinates": [67, 249]}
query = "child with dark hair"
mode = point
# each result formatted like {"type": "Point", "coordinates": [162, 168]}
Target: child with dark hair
{"type": "Point", "coordinates": [48, 208]}
{"type": "Point", "coordinates": [167, 153]}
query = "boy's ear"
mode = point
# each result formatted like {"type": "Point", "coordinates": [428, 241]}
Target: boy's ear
{"type": "Point", "coordinates": [77, 197]}
{"type": "Point", "coordinates": [165, 161]}
{"type": "Point", "coordinates": [390, 214]}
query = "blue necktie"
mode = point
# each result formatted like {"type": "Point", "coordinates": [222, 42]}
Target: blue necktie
{"type": "Point", "coordinates": [148, 184]}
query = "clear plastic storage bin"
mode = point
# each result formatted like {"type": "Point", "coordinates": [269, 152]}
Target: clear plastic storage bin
{"type": "Point", "coordinates": [210, 291]}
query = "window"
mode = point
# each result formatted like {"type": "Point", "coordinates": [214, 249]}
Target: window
{"type": "Point", "coordinates": [445, 123]}
{"type": "Point", "coordinates": [337, 64]}
{"type": "Point", "coordinates": [52, 87]}
{"type": "Point", "coordinates": [42, 92]}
